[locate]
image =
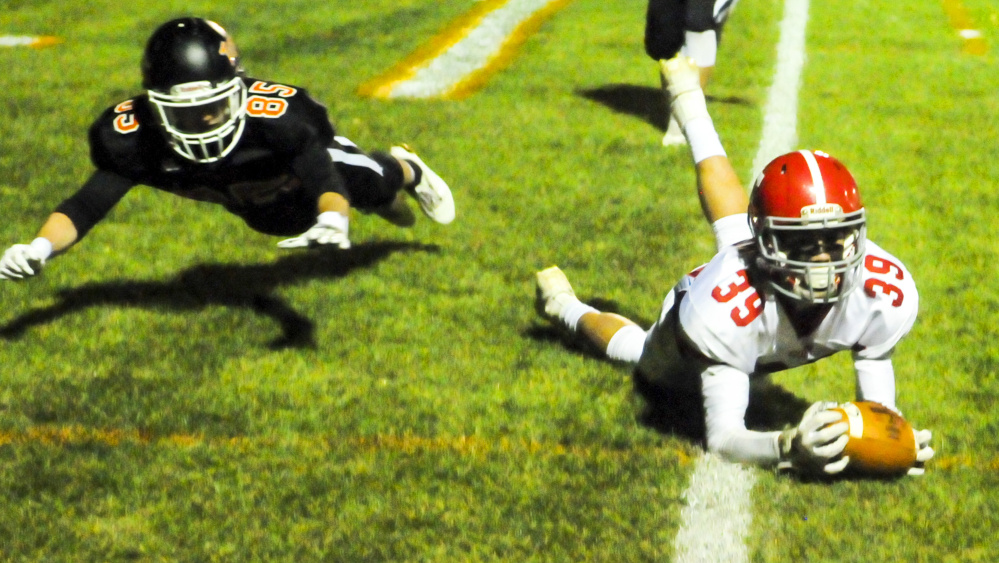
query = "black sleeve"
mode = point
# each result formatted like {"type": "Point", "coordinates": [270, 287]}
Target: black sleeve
{"type": "Point", "coordinates": [94, 200]}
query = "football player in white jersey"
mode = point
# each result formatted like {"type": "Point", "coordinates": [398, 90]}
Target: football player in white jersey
{"type": "Point", "coordinates": [795, 280]}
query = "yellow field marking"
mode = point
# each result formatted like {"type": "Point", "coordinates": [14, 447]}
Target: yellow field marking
{"type": "Point", "coordinates": [36, 42]}
{"type": "Point", "coordinates": [59, 436]}
{"type": "Point", "coordinates": [974, 42]}
{"type": "Point", "coordinates": [393, 83]}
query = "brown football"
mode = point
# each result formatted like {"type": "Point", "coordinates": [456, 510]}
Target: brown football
{"type": "Point", "coordinates": [881, 441]}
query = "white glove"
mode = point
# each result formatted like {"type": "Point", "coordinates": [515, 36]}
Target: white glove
{"type": "Point", "coordinates": [25, 260]}
{"type": "Point", "coordinates": [330, 229]}
{"type": "Point", "coordinates": [820, 436]}
{"type": "Point", "coordinates": [923, 451]}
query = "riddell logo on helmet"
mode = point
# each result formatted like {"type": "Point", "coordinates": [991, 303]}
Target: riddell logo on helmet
{"type": "Point", "coordinates": [821, 210]}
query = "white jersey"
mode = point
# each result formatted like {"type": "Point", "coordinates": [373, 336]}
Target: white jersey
{"type": "Point", "coordinates": [728, 322]}
{"type": "Point", "coordinates": [717, 330]}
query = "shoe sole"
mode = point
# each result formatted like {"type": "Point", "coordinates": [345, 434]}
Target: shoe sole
{"type": "Point", "coordinates": [431, 187]}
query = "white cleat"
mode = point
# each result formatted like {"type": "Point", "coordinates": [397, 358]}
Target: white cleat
{"type": "Point", "coordinates": [682, 80]}
{"type": "Point", "coordinates": [554, 291]}
{"type": "Point", "coordinates": [432, 192]}
{"type": "Point", "coordinates": [674, 135]}
{"type": "Point", "coordinates": [680, 75]}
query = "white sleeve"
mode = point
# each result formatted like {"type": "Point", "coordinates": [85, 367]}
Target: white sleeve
{"type": "Point", "coordinates": [731, 229]}
{"type": "Point", "coordinates": [726, 398]}
{"type": "Point", "coordinates": [875, 381]}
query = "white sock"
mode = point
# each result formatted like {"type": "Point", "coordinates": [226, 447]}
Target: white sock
{"type": "Point", "coordinates": [627, 344]}
{"type": "Point", "coordinates": [574, 310]}
{"type": "Point", "coordinates": [703, 139]}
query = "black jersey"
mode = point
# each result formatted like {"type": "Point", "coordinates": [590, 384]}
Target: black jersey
{"type": "Point", "coordinates": [272, 178]}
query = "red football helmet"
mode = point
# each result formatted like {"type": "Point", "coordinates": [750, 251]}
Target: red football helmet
{"type": "Point", "coordinates": [809, 226]}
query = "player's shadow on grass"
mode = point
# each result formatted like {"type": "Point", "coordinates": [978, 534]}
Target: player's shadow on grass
{"type": "Point", "coordinates": [676, 411]}
{"type": "Point", "coordinates": [230, 285]}
{"type": "Point", "coordinates": [645, 102]}
{"type": "Point", "coordinates": [681, 412]}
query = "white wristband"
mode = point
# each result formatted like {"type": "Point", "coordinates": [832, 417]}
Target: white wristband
{"type": "Point", "coordinates": [703, 139]}
{"type": "Point", "coordinates": [42, 246]}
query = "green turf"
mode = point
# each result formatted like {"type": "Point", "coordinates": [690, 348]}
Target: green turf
{"type": "Point", "coordinates": [177, 388]}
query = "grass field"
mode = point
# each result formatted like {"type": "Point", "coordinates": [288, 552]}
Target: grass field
{"type": "Point", "coordinates": [176, 388]}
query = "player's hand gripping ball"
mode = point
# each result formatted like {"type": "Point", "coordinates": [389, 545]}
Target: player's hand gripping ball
{"type": "Point", "coordinates": [881, 443]}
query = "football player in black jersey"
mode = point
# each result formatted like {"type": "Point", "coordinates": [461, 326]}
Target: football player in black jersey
{"type": "Point", "coordinates": [265, 151]}
{"type": "Point", "coordinates": [691, 27]}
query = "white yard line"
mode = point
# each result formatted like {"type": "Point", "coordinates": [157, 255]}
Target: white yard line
{"type": "Point", "coordinates": [27, 40]}
{"type": "Point", "coordinates": [470, 54]}
{"type": "Point", "coordinates": [780, 118]}
{"type": "Point", "coordinates": [466, 51]}
{"type": "Point", "coordinates": [718, 514]}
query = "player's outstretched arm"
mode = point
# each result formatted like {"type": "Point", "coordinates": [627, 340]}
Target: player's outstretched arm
{"type": "Point", "coordinates": [876, 382]}
{"type": "Point", "coordinates": [812, 446]}
{"type": "Point", "coordinates": [26, 260]}
{"type": "Point", "coordinates": [725, 391]}
{"type": "Point", "coordinates": [331, 228]}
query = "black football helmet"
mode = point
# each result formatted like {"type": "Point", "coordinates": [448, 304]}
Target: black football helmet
{"type": "Point", "coordinates": [192, 73]}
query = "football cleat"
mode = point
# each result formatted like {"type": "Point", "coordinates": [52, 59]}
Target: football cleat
{"type": "Point", "coordinates": [680, 75]}
{"type": "Point", "coordinates": [554, 291]}
{"type": "Point", "coordinates": [674, 135]}
{"type": "Point", "coordinates": [431, 191]}
{"type": "Point", "coordinates": [682, 80]}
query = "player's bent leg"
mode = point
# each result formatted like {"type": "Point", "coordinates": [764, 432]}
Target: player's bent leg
{"type": "Point", "coordinates": [429, 189]}
{"type": "Point", "coordinates": [721, 193]}
{"type": "Point", "coordinates": [689, 107]}
{"type": "Point", "coordinates": [398, 212]}
{"type": "Point", "coordinates": [556, 299]}
{"type": "Point", "coordinates": [627, 341]}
